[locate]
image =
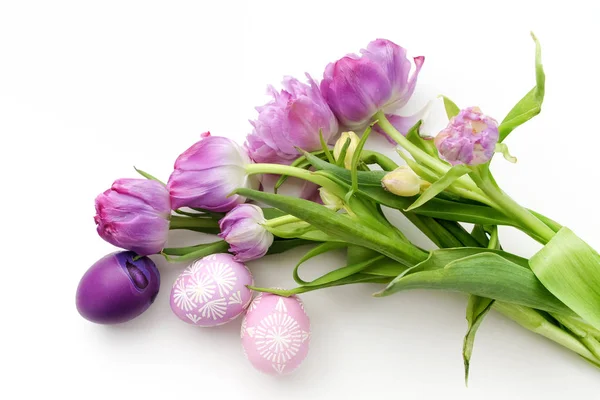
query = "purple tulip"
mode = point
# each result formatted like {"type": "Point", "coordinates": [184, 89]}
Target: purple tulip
{"type": "Point", "coordinates": [207, 173]}
{"type": "Point", "coordinates": [117, 288]}
{"type": "Point", "coordinates": [134, 215]}
{"type": "Point", "coordinates": [356, 87]}
{"type": "Point", "coordinates": [243, 229]}
{"type": "Point", "coordinates": [292, 119]}
{"type": "Point", "coordinates": [470, 138]}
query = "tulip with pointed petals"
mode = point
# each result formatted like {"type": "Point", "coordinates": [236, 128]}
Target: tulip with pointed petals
{"type": "Point", "coordinates": [208, 172]}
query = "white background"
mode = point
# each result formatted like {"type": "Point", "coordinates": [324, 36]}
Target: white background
{"type": "Point", "coordinates": [89, 89]}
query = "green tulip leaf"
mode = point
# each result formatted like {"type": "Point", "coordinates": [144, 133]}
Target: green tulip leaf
{"type": "Point", "coordinates": [185, 254]}
{"type": "Point", "coordinates": [415, 138]}
{"type": "Point", "coordinates": [341, 160]}
{"type": "Point", "coordinates": [452, 109]}
{"type": "Point", "coordinates": [487, 274]}
{"type": "Point", "coordinates": [373, 157]}
{"type": "Point", "coordinates": [477, 309]}
{"type": "Point", "coordinates": [325, 148]}
{"type": "Point", "coordinates": [320, 249]}
{"type": "Point", "coordinates": [570, 269]}
{"type": "Point", "coordinates": [343, 272]}
{"type": "Point", "coordinates": [283, 245]}
{"type": "Point", "coordinates": [358, 254]}
{"type": "Point", "coordinates": [148, 176]}
{"type": "Point", "coordinates": [440, 185]}
{"type": "Point", "coordinates": [531, 104]}
{"type": "Point", "coordinates": [352, 279]}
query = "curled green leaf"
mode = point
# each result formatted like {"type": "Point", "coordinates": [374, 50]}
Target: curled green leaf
{"type": "Point", "coordinates": [531, 104]}
{"type": "Point", "coordinates": [320, 249]}
{"type": "Point", "coordinates": [477, 309]}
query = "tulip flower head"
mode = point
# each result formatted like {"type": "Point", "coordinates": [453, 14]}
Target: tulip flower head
{"type": "Point", "coordinates": [207, 173]}
{"type": "Point", "coordinates": [339, 145]}
{"type": "Point", "coordinates": [243, 229]}
{"type": "Point", "coordinates": [291, 120]}
{"type": "Point", "coordinates": [470, 138]}
{"type": "Point", "coordinates": [356, 87]}
{"type": "Point", "coordinates": [403, 182]}
{"type": "Point", "coordinates": [134, 215]}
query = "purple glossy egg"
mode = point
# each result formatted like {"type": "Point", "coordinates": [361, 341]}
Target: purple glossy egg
{"type": "Point", "coordinates": [117, 288]}
{"type": "Point", "coordinates": [212, 291]}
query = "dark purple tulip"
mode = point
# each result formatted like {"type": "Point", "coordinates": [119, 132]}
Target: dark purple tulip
{"type": "Point", "coordinates": [117, 289]}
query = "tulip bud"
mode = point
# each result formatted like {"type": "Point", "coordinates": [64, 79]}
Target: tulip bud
{"type": "Point", "coordinates": [134, 214]}
{"type": "Point", "coordinates": [207, 173]}
{"type": "Point", "coordinates": [117, 288]}
{"type": "Point", "coordinates": [243, 229]}
{"type": "Point", "coordinates": [330, 200]}
{"type": "Point", "coordinates": [339, 145]}
{"type": "Point", "coordinates": [403, 182]}
{"type": "Point", "coordinates": [470, 138]}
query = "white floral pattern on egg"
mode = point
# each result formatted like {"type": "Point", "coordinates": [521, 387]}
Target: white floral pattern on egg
{"type": "Point", "coordinates": [212, 291]}
{"type": "Point", "coordinates": [275, 333]}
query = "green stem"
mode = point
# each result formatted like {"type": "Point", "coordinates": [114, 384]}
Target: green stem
{"type": "Point", "coordinates": [283, 220]}
{"type": "Point", "coordinates": [203, 250]}
{"type": "Point", "coordinates": [356, 278]}
{"type": "Point", "coordinates": [181, 251]}
{"type": "Point", "coordinates": [418, 154]}
{"type": "Point", "coordinates": [373, 157]}
{"type": "Point", "coordinates": [504, 203]}
{"type": "Point", "coordinates": [555, 226]}
{"type": "Point", "coordinates": [535, 322]}
{"type": "Point", "coordinates": [253, 169]}
{"type": "Point", "coordinates": [179, 222]}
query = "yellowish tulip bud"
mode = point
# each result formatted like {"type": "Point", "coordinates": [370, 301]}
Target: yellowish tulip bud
{"type": "Point", "coordinates": [403, 182]}
{"type": "Point", "coordinates": [337, 149]}
{"type": "Point", "coordinates": [330, 200]}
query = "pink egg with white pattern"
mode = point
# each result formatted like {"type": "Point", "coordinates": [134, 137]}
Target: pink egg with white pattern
{"type": "Point", "coordinates": [275, 333]}
{"type": "Point", "coordinates": [212, 291]}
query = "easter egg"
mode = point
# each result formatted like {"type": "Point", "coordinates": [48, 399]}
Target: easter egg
{"type": "Point", "coordinates": [117, 288]}
{"type": "Point", "coordinates": [212, 291]}
{"type": "Point", "coordinates": [275, 333]}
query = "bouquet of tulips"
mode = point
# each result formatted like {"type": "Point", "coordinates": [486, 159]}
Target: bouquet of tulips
{"type": "Point", "coordinates": [312, 136]}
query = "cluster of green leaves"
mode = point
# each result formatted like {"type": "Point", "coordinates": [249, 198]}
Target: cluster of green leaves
{"type": "Point", "coordinates": [552, 294]}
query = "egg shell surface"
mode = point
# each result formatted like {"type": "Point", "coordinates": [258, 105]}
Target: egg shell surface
{"type": "Point", "coordinates": [212, 291]}
{"type": "Point", "coordinates": [275, 333]}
